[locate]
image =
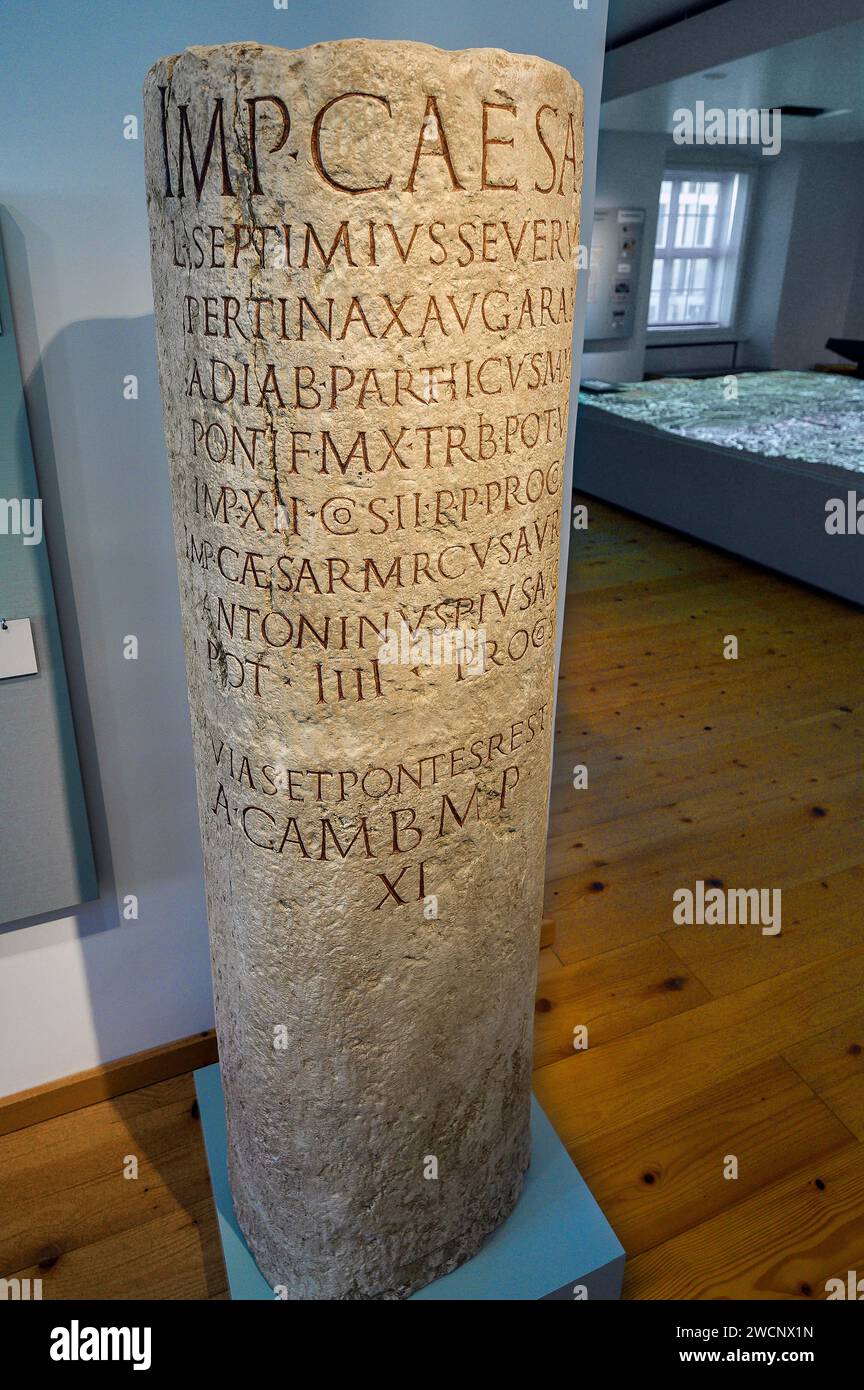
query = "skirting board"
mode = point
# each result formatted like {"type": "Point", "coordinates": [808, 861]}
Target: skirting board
{"type": "Point", "coordinates": [556, 1245]}
{"type": "Point", "coordinates": [84, 1088]}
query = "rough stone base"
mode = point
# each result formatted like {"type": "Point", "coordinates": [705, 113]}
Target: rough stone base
{"type": "Point", "coordinates": [413, 1276]}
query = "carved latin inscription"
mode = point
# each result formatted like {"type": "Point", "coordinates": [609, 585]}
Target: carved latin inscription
{"type": "Point", "coordinates": [364, 274]}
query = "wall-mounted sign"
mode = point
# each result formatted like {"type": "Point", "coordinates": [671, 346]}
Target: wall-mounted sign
{"type": "Point", "coordinates": [17, 653]}
{"type": "Point", "coordinates": [613, 279]}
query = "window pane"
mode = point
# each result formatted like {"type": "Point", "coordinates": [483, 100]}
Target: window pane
{"type": "Point", "coordinates": [699, 274]}
{"type": "Point", "coordinates": [695, 216]}
{"type": "Point", "coordinates": [731, 205]}
{"type": "Point", "coordinates": [663, 212]}
{"type": "Point", "coordinates": [654, 315]}
{"type": "Point", "coordinates": [696, 223]}
{"type": "Point", "coordinates": [676, 303]}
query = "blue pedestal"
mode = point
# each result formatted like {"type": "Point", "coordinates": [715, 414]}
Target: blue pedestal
{"type": "Point", "coordinates": [556, 1239]}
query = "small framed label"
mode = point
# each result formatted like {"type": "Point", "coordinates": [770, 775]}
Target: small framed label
{"type": "Point", "coordinates": [17, 653]}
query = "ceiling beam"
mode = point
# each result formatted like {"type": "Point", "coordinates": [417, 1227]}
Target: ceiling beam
{"type": "Point", "coordinates": [717, 36]}
{"type": "Point", "coordinates": [652, 26]}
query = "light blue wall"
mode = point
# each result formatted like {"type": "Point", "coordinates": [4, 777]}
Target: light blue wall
{"type": "Point", "coordinates": [46, 859]}
{"type": "Point", "coordinates": [826, 232]}
{"type": "Point", "coordinates": [92, 986]}
{"type": "Point", "coordinates": [629, 171]}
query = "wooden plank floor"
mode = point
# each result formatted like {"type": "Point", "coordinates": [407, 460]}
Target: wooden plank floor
{"type": "Point", "coordinates": [708, 1042]}
{"type": "Point", "coordinates": [704, 1042]}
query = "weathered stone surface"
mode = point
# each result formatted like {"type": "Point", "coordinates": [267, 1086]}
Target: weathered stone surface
{"type": "Point", "coordinates": [364, 269]}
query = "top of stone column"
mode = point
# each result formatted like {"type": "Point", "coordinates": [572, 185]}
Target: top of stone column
{"type": "Point", "coordinates": [318, 82]}
{"type": "Point", "coordinates": [328, 49]}
{"type": "Point", "coordinates": [364, 98]}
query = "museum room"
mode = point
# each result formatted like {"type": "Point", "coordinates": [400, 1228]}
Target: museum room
{"type": "Point", "coordinates": [431, 691]}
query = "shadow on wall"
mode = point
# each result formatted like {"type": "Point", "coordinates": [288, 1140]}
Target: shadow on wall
{"type": "Point", "coordinates": [102, 473]}
{"type": "Point", "coordinates": [46, 859]}
{"type": "Point", "coordinates": [103, 478]}
{"type": "Point", "coordinates": [107, 480]}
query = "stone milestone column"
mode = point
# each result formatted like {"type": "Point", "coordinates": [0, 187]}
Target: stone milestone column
{"type": "Point", "coordinates": [364, 272]}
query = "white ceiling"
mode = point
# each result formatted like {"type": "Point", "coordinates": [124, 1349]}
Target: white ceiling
{"type": "Point", "coordinates": [824, 70]}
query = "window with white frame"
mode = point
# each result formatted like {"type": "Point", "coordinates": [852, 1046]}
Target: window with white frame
{"type": "Point", "coordinates": [700, 226]}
